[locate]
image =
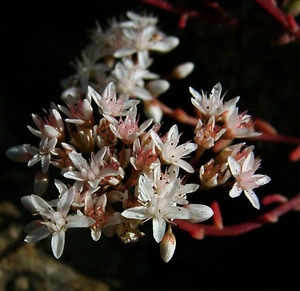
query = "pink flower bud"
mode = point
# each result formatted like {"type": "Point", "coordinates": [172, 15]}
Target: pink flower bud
{"type": "Point", "coordinates": [168, 245]}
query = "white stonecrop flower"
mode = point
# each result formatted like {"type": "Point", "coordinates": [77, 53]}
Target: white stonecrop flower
{"type": "Point", "coordinates": [243, 171]}
{"type": "Point", "coordinates": [94, 172]}
{"type": "Point", "coordinates": [212, 105]}
{"type": "Point", "coordinates": [170, 152]}
{"type": "Point", "coordinates": [54, 222]}
{"type": "Point", "coordinates": [160, 205]}
{"type": "Point", "coordinates": [141, 33]}
{"type": "Point", "coordinates": [108, 102]}
{"type": "Point", "coordinates": [239, 125]}
{"type": "Point", "coordinates": [130, 77]}
{"type": "Point", "coordinates": [128, 129]}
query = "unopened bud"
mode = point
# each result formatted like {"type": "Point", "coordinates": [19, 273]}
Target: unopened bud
{"type": "Point", "coordinates": [41, 181]}
{"type": "Point", "coordinates": [181, 71]}
{"type": "Point", "coordinates": [168, 245]}
{"type": "Point", "coordinates": [153, 110]}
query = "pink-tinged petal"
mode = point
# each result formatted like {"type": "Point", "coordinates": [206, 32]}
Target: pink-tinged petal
{"type": "Point", "coordinates": [36, 231]}
{"type": "Point", "coordinates": [234, 166]}
{"type": "Point", "coordinates": [235, 191]}
{"type": "Point", "coordinates": [159, 228]}
{"type": "Point", "coordinates": [22, 153]}
{"type": "Point", "coordinates": [248, 163]}
{"type": "Point", "coordinates": [250, 194]}
{"type": "Point", "coordinates": [58, 243]}
{"type": "Point", "coordinates": [138, 212]}
{"type": "Point", "coordinates": [199, 212]}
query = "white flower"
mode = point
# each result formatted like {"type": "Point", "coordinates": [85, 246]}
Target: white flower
{"type": "Point", "coordinates": [243, 171]}
{"type": "Point", "coordinates": [141, 34]}
{"type": "Point", "coordinates": [239, 125]}
{"type": "Point", "coordinates": [44, 153]}
{"type": "Point", "coordinates": [128, 129]}
{"type": "Point", "coordinates": [55, 222]}
{"type": "Point", "coordinates": [170, 152]}
{"type": "Point", "coordinates": [160, 205]}
{"type": "Point", "coordinates": [94, 172]}
{"type": "Point", "coordinates": [212, 105]}
{"type": "Point", "coordinates": [95, 208]}
{"type": "Point", "coordinates": [49, 127]}
{"type": "Point", "coordinates": [131, 77]}
{"type": "Point", "coordinates": [108, 102]}
{"type": "Point", "coordinates": [79, 111]}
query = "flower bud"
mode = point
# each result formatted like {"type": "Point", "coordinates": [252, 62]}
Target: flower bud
{"type": "Point", "coordinates": [153, 110]}
{"type": "Point", "coordinates": [181, 71]}
{"type": "Point", "coordinates": [168, 245]}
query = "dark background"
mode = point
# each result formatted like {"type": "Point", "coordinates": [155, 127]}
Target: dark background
{"type": "Point", "coordinates": [40, 39]}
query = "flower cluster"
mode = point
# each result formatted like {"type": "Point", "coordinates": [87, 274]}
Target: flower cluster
{"type": "Point", "coordinates": [116, 171]}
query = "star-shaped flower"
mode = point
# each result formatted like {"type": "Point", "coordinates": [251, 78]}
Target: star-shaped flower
{"type": "Point", "coordinates": [170, 152]}
{"type": "Point", "coordinates": [54, 222]}
{"type": "Point", "coordinates": [160, 205]}
{"type": "Point", "coordinates": [213, 104]}
{"type": "Point", "coordinates": [243, 171]}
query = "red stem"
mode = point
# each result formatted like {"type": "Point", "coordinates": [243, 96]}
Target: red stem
{"type": "Point", "coordinates": [198, 231]}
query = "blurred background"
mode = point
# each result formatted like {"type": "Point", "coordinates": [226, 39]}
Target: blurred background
{"type": "Point", "coordinates": [41, 39]}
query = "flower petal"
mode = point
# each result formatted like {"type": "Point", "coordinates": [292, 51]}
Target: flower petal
{"type": "Point", "coordinates": [58, 243]}
{"type": "Point", "coordinates": [159, 228]}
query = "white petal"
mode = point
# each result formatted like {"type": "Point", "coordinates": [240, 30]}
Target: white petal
{"type": "Point", "coordinates": [145, 190]}
{"type": "Point", "coordinates": [40, 204]}
{"type": "Point", "coordinates": [75, 175]}
{"type": "Point", "coordinates": [199, 212]}
{"type": "Point", "coordinates": [36, 231]}
{"type": "Point", "coordinates": [235, 191]}
{"type": "Point", "coordinates": [65, 201]}
{"type": "Point", "coordinates": [184, 165]}
{"type": "Point", "coordinates": [96, 234]}
{"type": "Point", "coordinates": [58, 243]}
{"type": "Point", "coordinates": [261, 179]}
{"type": "Point", "coordinates": [234, 166]}
{"type": "Point", "coordinates": [159, 228]}
{"type": "Point", "coordinates": [79, 220]}
{"type": "Point", "coordinates": [50, 131]}
{"type": "Point", "coordinates": [248, 163]}
{"type": "Point", "coordinates": [138, 212]}
{"type": "Point", "coordinates": [250, 194]}
{"type": "Point", "coordinates": [177, 212]}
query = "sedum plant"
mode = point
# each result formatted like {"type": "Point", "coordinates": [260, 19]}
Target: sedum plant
{"type": "Point", "coordinates": [116, 166]}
